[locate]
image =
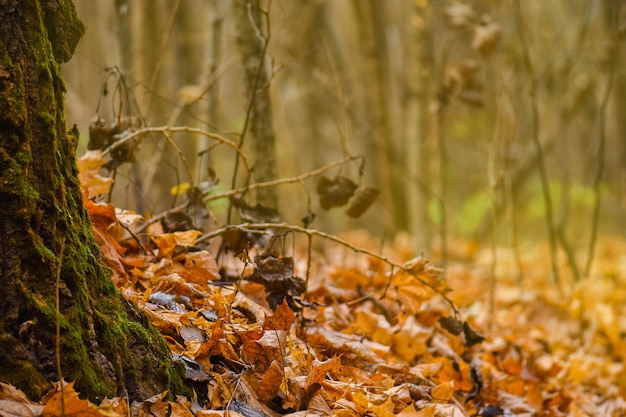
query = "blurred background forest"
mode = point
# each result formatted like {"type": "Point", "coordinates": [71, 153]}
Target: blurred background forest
{"type": "Point", "coordinates": [493, 121]}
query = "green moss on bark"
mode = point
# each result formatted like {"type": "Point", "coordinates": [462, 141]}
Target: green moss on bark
{"type": "Point", "coordinates": [107, 347]}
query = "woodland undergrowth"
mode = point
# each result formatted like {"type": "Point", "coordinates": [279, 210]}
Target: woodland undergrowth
{"type": "Point", "coordinates": [268, 326]}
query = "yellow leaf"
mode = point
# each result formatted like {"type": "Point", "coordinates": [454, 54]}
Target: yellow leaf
{"type": "Point", "coordinates": [180, 188]}
{"type": "Point", "coordinates": [443, 391]}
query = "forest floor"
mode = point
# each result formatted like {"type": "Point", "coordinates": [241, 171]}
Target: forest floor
{"type": "Point", "coordinates": [336, 331]}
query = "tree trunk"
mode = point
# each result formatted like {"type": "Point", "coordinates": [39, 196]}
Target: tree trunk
{"type": "Point", "coordinates": [106, 346]}
{"type": "Point", "coordinates": [252, 36]}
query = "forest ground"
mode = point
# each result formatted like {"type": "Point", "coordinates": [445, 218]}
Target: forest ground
{"type": "Point", "coordinates": [371, 335]}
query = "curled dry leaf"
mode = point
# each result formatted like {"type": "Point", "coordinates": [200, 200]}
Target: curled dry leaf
{"type": "Point", "coordinates": [362, 201]}
{"type": "Point", "coordinates": [486, 38]}
{"type": "Point", "coordinates": [277, 276]}
{"type": "Point", "coordinates": [167, 242]}
{"type": "Point", "coordinates": [92, 183]}
{"type": "Point", "coordinates": [335, 192]}
{"type": "Point", "coordinates": [460, 15]}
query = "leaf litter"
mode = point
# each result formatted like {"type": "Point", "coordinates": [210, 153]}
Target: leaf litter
{"type": "Point", "coordinates": [358, 337]}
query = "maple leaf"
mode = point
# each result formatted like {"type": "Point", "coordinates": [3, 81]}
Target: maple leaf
{"type": "Point", "coordinates": [72, 405]}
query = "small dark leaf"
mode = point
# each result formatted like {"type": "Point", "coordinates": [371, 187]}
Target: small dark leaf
{"type": "Point", "coordinates": [472, 337]}
{"type": "Point", "coordinates": [477, 379]}
{"type": "Point", "coordinates": [193, 370]}
{"type": "Point", "coordinates": [254, 214]}
{"type": "Point", "coordinates": [419, 392]}
{"type": "Point", "coordinates": [103, 134]}
{"type": "Point", "coordinates": [362, 200]}
{"type": "Point", "coordinates": [308, 219]}
{"type": "Point", "coordinates": [245, 409]}
{"type": "Point", "coordinates": [237, 240]}
{"type": "Point", "coordinates": [335, 192]}
{"type": "Point", "coordinates": [452, 325]}
{"type": "Point", "coordinates": [176, 222]}
{"type": "Point", "coordinates": [276, 275]}
{"type": "Point", "coordinates": [491, 411]}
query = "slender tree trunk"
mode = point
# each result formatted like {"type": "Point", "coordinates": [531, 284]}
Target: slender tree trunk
{"type": "Point", "coordinates": [252, 37]}
{"type": "Point", "coordinates": [105, 345]}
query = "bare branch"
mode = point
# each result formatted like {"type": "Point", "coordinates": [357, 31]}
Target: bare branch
{"type": "Point", "coordinates": [251, 187]}
{"type": "Point", "coordinates": [167, 129]}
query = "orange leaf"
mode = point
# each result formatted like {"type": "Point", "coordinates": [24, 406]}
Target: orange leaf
{"type": "Point", "coordinates": [270, 382]}
{"type": "Point", "coordinates": [443, 391]}
{"type": "Point", "coordinates": [168, 241]}
{"type": "Point", "coordinates": [282, 319]}
{"type": "Point", "coordinates": [200, 267]}
{"type": "Point", "coordinates": [72, 405]}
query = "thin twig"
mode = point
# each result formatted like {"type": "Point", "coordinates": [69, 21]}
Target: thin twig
{"type": "Point", "coordinates": [172, 129]}
{"type": "Point", "coordinates": [545, 184]}
{"type": "Point", "coordinates": [58, 325]}
{"type": "Point", "coordinates": [180, 155]}
{"type": "Point", "coordinates": [252, 187]}
{"type": "Point", "coordinates": [157, 66]}
{"type": "Point", "coordinates": [601, 155]}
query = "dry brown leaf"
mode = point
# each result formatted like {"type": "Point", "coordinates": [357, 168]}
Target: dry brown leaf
{"type": "Point", "coordinates": [200, 267]}
{"type": "Point", "coordinates": [72, 405]}
{"type": "Point", "coordinates": [268, 386]}
{"type": "Point", "coordinates": [14, 403]}
{"type": "Point", "coordinates": [167, 242]}
{"type": "Point", "coordinates": [486, 38]}
{"type": "Point", "coordinates": [443, 391]}
{"type": "Point", "coordinates": [93, 183]}
{"type": "Point", "coordinates": [282, 319]}
{"type": "Point", "coordinates": [353, 346]}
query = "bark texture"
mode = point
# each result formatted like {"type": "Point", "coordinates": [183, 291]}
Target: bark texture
{"type": "Point", "coordinates": [106, 347]}
{"type": "Point", "coordinates": [252, 36]}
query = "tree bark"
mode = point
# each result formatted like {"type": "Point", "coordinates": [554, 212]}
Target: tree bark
{"type": "Point", "coordinates": [106, 346]}
{"type": "Point", "coordinates": [252, 37]}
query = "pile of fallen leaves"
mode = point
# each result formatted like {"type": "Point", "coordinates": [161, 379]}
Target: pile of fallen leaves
{"type": "Point", "coordinates": [266, 333]}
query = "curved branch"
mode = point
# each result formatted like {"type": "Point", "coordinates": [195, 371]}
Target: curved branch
{"type": "Point", "coordinates": [251, 187]}
{"type": "Point", "coordinates": [167, 129]}
{"type": "Point", "coordinates": [262, 227]}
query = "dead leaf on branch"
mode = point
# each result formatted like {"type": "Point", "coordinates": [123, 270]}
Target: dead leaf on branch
{"type": "Point", "coordinates": [103, 134]}
{"type": "Point", "coordinates": [254, 214]}
{"type": "Point", "coordinates": [277, 276]}
{"type": "Point", "coordinates": [335, 192]}
{"type": "Point", "coordinates": [486, 38]}
{"type": "Point", "coordinates": [362, 201]}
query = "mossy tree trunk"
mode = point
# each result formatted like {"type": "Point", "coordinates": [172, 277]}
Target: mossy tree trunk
{"type": "Point", "coordinates": [106, 347]}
